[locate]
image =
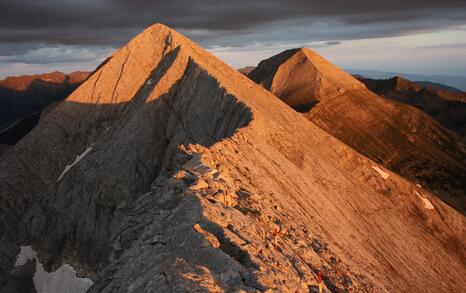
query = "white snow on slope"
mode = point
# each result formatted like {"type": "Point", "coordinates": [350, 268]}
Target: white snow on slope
{"type": "Point", "coordinates": [381, 172]}
{"type": "Point", "coordinates": [78, 158]}
{"type": "Point", "coordinates": [64, 279]}
{"type": "Point", "coordinates": [26, 254]}
{"type": "Point", "coordinates": [426, 203]}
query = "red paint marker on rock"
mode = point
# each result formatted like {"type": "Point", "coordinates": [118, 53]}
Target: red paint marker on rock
{"type": "Point", "coordinates": [319, 282]}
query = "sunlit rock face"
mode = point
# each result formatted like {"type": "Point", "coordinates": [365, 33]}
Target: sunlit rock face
{"type": "Point", "coordinates": [169, 171]}
{"type": "Point", "coordinates": [398, 136]}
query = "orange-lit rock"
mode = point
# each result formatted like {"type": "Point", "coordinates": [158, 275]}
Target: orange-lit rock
{"type": "Point", "coordinates": [401, 137]}
{"type": "Point", "coordinates": [162, 107]}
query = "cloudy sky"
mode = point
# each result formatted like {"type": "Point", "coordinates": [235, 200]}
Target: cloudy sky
{"type": "Point", "coordinates": [412, 36]}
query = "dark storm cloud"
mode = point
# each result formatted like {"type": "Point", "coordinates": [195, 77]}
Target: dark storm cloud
{"type": "Point", "coordinates": [31, 29]}
{"type": "Point", "coordinates": [112, 22]}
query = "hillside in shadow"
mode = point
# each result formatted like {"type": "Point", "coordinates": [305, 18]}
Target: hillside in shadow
{"type": "Point", "coordinates": [23, 98]}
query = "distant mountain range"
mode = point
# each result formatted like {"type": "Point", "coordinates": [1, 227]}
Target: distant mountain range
{"type": "Point", "coordinates": [438, 86]}
{"type": "Point", "coordinates": [23, 98]}
{"type": "Point", "coordinates": [457, 82]}
{"type": "Point", "coordinates": [446, 106]}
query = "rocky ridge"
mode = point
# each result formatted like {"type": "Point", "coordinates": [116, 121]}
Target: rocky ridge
{"type": "Point", "coordinates": [180, 169]}
{"type": "Point", "coordinates": [402, 138]}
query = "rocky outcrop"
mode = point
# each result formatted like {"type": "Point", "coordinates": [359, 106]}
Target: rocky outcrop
{"type": "Point", "coordinates": [167, 170]}
{"type": "Point", "coordinates": [23, 98]}
{"type": "Point", "coordinates": [402, 138]}
{"type": "Point", "coordinates": [447, 107]}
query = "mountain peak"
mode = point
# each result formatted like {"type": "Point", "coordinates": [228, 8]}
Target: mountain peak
{"type": "Point", "coordinates": [159, 26]}
{"type": "Point", "coordinates": [159, 30]}
{"type": "Point", "coordinates": [307, 51]}
{"type": "Point", "coordinates": [129, 67]}
{"type": "Point", "coordinates": [313, 78]}
{"type": "Point", "coordinates": [401, 83]}
{"type": "Point", "coordinates": [341, 105]}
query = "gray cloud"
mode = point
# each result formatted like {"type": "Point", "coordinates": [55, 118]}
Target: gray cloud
{"type": "Point", "coordinates": [443, 46]}
{"type": "Point", "coordinates": [112, 22]}
{"type": "Point", "coordinates": [43, 31]}
{"type": "Point", "coordinates": [56, 55]}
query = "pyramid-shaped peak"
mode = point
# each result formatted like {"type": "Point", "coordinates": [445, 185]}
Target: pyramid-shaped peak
{"type": "Point", "coordinates": [296, 53]}
{"type": "Point", "coordinates": [158, 26]}
{"type": "Point", "coordinates": [322, 65]}
{"type": "Point", "coordinates": [313, 56]}
{"type": "Point", "coordinates": [306, 51]}
{"type": "Point", "coordinates": [160, 32]}
{"type": "Point", "coordinates": [131, 66]}
{"type": "Point", "coordinates": [301, 77]}
{"type": "Point", "coordinates": [159, 29]}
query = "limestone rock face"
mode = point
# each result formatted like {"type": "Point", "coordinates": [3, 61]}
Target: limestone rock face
{"type": "Point", "coordinates": [402, 138]}
{"type": "Point", "coordinates": [167, 170]}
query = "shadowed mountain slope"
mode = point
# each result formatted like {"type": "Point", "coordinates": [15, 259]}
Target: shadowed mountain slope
{"type": "Point", "coordinates": [437, 86]}
{"type": "Point", "coordinates": [399, 136]}
{"type": "Point", "coordinates": [167, 170]}
{"type": "Point", "coordinates": [23, 98]}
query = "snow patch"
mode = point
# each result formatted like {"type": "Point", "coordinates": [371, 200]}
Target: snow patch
{"type": "Point", "coordinates": [26, 254]}
{"type": "Point", "coordinates": [381, 172]}
{"type": "Point", "coordinates": [426, 203]}
{"type": "Point", "coordinates": [78, 158]}
{"type": "Point", "coordinates": [64, 279]}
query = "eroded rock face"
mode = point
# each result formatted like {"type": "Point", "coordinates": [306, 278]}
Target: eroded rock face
{"type": "Point", "coordinates": [190, 168]}
{"type": "Point", "coordinates": [400, 137]}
